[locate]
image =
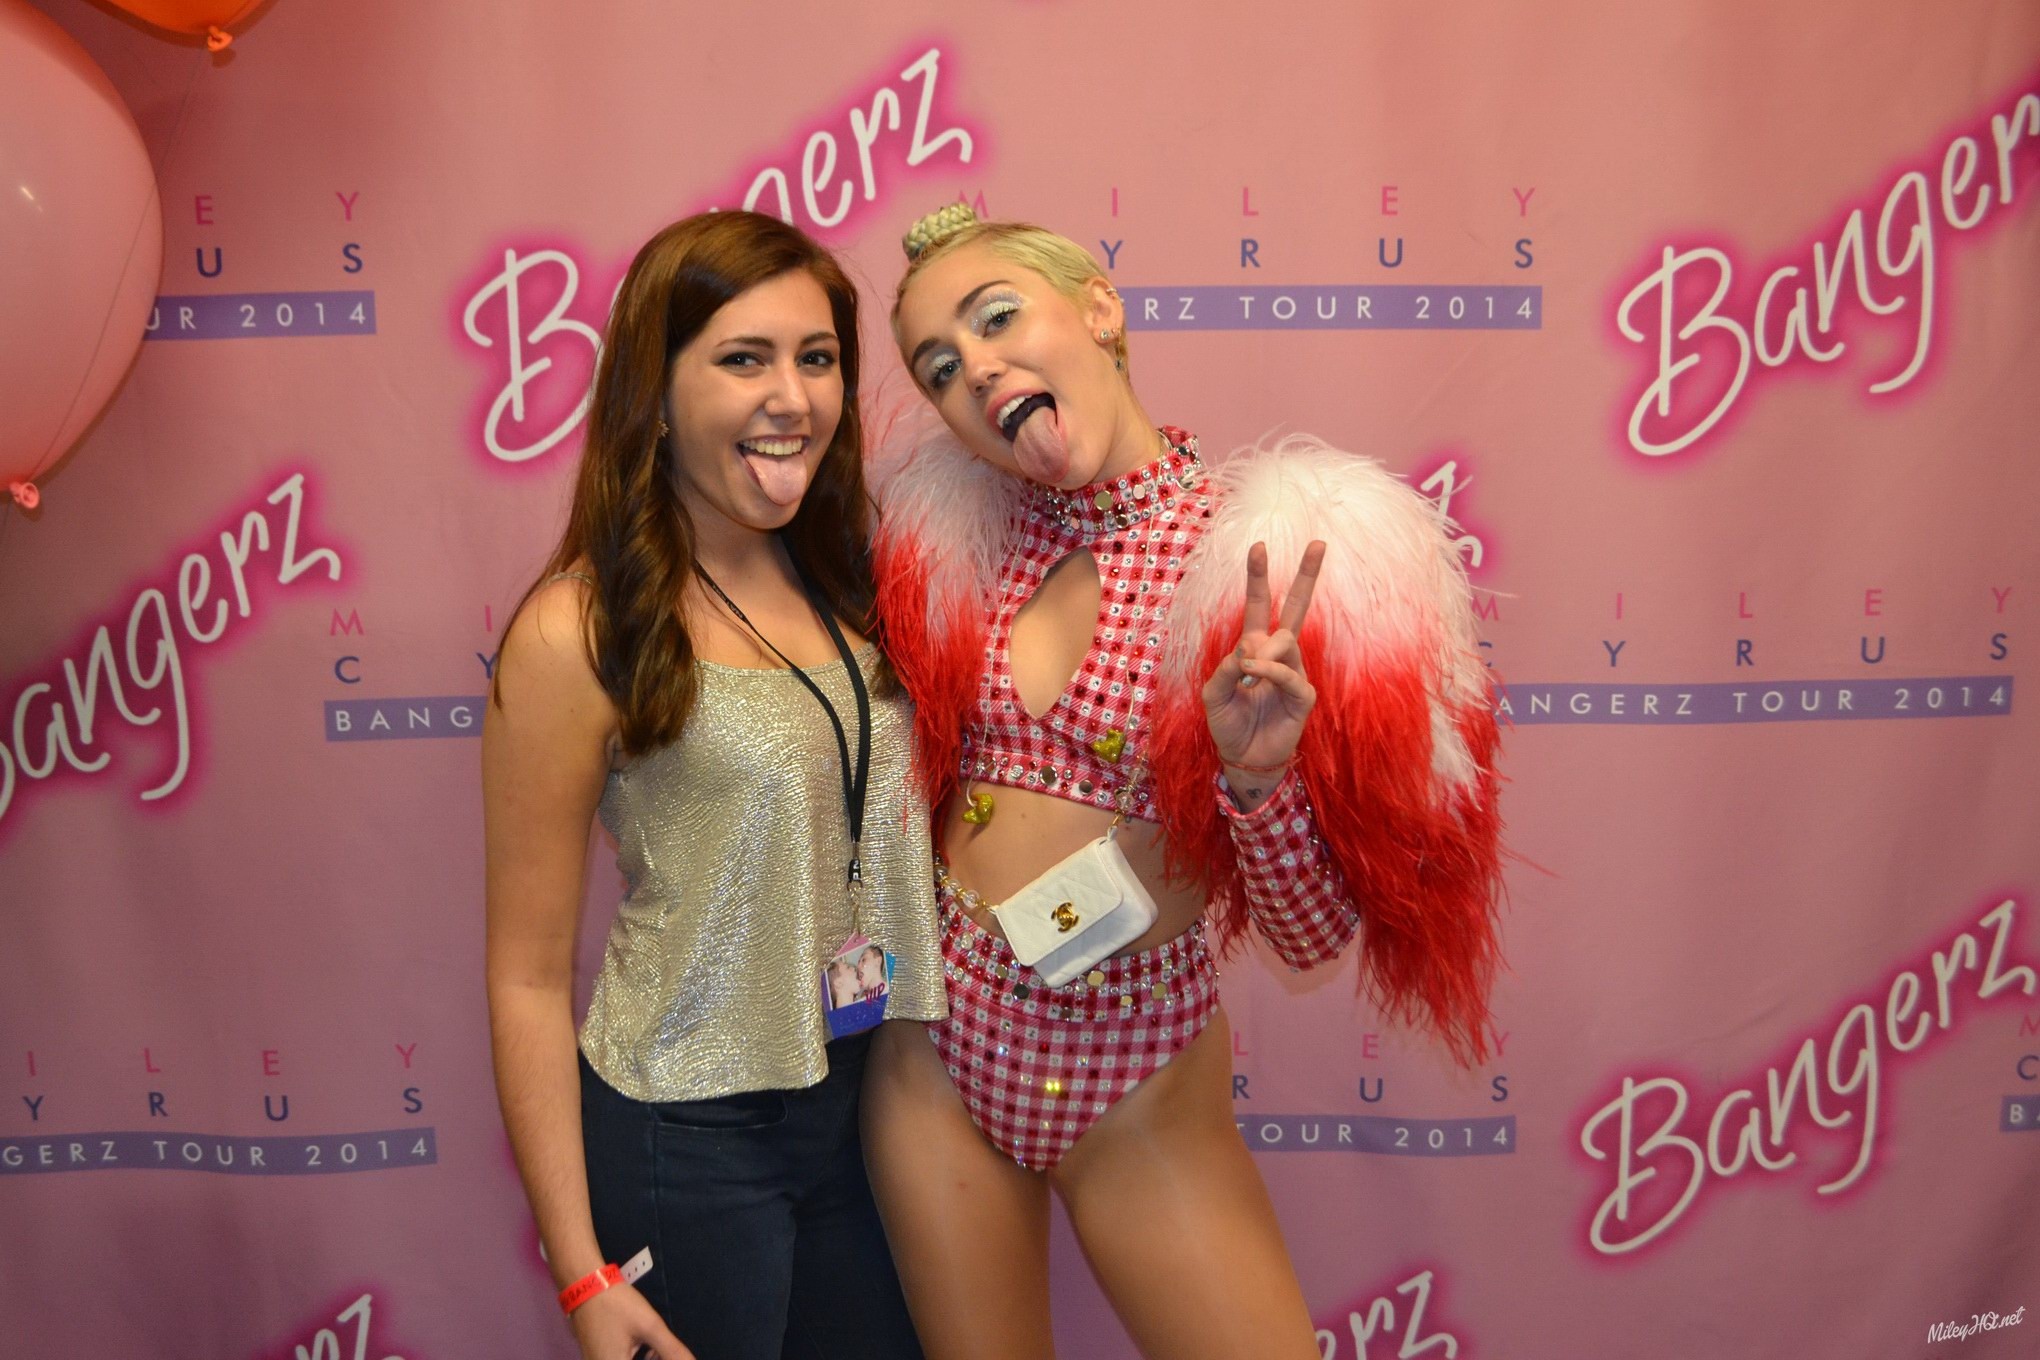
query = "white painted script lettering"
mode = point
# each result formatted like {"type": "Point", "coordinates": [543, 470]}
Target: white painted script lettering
{"type": "Point", "coordinates": [528, 418]}
{"type": "Point", "coordinates": [1704, 350]}
{"type": "Point", "coordinates": [1844, 1092]}
{"type": "Point", "coordinates": [523, 371]}
{"type": "Point", "coordinates": [1380, 1313]}
{"type": "Point", "coordinates": [150, 659]}
{"type": "Point", "coordinates": [326, 1342]}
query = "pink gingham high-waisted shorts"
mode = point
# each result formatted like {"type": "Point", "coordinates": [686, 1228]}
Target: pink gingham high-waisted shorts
{"type": "Point", "coordinates": [1037, 1065]}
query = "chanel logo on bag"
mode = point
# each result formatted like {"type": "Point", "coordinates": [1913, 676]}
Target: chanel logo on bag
{"type": "Point", "coordinates": [1065, 919]}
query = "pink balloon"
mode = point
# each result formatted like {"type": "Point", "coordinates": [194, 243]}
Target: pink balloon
{"type": "Point", "coordinates": [81, 243]}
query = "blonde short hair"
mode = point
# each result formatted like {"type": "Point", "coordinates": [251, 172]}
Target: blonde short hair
{"type": "Point", "coordinates": [1067, 266]}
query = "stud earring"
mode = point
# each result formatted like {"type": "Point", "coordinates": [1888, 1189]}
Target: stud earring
{"type": "Point", "coordinates": [1105, 336]}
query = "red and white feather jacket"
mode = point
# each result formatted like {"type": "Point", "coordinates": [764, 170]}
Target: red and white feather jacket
{"type": "Point", "coordinates": [1387, 826]}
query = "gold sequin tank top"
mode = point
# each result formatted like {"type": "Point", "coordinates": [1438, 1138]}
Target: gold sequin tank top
{"type": "Point", "coordinates": [732, 842]}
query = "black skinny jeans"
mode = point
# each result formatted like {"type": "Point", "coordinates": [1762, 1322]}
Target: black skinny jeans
{"type": "Point", "coordinates": [766, 1244]}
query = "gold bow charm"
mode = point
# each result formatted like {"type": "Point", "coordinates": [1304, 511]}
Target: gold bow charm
{"type": "Point", "coordinates": [980, 810]}
{"type": "Point", "coordinates": [1065, 919]}
{"type": "Point", "coordinates": [1110, 746]}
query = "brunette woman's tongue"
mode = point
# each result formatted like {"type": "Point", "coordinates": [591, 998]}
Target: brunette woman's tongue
{"type": "Point", "coordinates": [784, 480]}
{"type": "Point", "coordinates": [1041, 447]}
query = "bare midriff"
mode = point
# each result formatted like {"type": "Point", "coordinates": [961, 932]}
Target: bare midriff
{"type": "Point", "coordinates": [1031, 831]}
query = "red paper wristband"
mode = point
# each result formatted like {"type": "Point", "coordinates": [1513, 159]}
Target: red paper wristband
{"type": "Point", "coordinates": [588, 1286]}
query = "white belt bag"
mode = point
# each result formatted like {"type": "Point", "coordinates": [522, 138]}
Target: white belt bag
{"type": "Point", "coordinates": [1083, 910]}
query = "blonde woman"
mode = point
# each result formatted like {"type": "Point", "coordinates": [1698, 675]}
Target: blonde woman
{"type": "Point", "coordinates": [1249, 697]}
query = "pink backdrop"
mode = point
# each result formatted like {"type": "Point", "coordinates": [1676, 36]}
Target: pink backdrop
{"type": "Point", "coordinates": [1714, 323]}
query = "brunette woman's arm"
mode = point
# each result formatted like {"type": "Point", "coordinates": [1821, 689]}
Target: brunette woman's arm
{"type": "Point", "coordinates": [545, 756]}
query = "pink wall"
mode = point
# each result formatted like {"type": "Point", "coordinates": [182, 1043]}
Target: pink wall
{"type": "Point", "coordinates": [1772, 791]}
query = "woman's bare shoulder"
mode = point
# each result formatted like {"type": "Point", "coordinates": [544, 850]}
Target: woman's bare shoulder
{"type": "Point", "coordinates": [547, 644]}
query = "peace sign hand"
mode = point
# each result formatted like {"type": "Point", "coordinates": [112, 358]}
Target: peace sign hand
{"type": "Point", "coordinates": [1256, 701]}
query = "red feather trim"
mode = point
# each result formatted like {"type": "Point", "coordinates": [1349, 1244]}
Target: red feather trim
{"type": "Point", "coordinates": [1182, 759]}
{"type": "Point", "coordinates": [1421, 859]}
{"type": "Point", "coordinates": [938, 668]}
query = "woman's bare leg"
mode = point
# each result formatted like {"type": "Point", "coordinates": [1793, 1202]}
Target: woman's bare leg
{"type": "Point", "coordinates": [968, 1226]}
{"type": "Point", "coordinates": [1176, 1223]}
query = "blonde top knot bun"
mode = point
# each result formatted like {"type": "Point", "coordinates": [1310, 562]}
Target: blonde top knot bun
{"type": "Point", "coordinates": [944, 222]}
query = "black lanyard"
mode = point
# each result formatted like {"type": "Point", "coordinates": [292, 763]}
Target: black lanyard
{"type": "Point", "coordinates": [854, 781]}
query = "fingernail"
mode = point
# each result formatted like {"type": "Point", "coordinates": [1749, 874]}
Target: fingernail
{"type": "Point", "coordinates": [1248, 683]}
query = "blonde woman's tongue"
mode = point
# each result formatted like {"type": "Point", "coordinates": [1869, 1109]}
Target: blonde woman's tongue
{"type": "Point", "coordinates": [783, 478]}
{"type": "Point", "coordinates": [1041, 447]}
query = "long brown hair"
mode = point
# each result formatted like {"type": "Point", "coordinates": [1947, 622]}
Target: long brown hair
{"type": "Point", "coordinates": [627, 521]}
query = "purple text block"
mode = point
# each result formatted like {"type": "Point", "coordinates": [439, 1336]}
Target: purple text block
{"type": "Point", "coordinates": [423, 717]}
{"type": "Point", "coordinates": [303, 1154]}
{"type": "Point", "coordinates": [1336, 307]}
{"type": "Point", "coordinates": [1382, 1135]}
{"type": "Point", "coordinates": [1757, 701]}
{"type": "Point", "coordinates": [261, 316]}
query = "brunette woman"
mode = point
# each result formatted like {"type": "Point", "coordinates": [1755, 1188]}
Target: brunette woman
{"type": "Point", "coordinates": [692, 667]}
